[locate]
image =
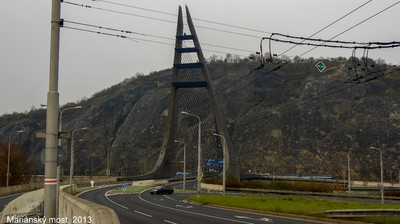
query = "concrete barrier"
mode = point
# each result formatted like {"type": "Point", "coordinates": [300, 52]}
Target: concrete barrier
{"type": "Point", "coordinates": [149, 182]}
{"type": "Point", "coordinates": [79, 180]}
{"type": "Point", "coordinates": [83, 180]}
{"type": "Point", "coordinates": [372, 184]}
{"type": "Point", "coordinates": [211, 187]}
{"type": "Point", "coordinates": [23, 205]}
{"type": "Point", "coordinates": [71, 208]}
{"type": "Point", "coordinates": [10, 190]}
{"type": "Point", "coordinates": [77, 210]}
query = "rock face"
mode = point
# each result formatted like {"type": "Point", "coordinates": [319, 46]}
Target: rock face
{"type": "Point", "coordinates": [292, 120]}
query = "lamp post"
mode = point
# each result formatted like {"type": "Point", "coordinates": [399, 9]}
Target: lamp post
{"type": "Point", "coordinates": [60, 113]}
{"type": "Point", "coordinates": [199, 153]}
{"type": "Point", "coordinates": [184, 164]}
{"type": "Point", "coordinates": [223, 161]}
{"type": "Point", "coordinates": [60, 119]}
{"type": "Point", "coordinates": [348, 172]}
{"type": "Point", "coordinates": [71, 166]}
{"type": "Point", "coordinates": [382, 197]}
{"type": "Point", "coordinates": [9, 152]}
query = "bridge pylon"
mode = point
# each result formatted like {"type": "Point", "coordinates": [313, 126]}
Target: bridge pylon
{"type": "Point", "coordinates": [165, 165]}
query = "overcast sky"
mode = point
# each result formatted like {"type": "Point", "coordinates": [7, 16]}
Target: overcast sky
{"type": "Point", "coordinates": [91, 62]}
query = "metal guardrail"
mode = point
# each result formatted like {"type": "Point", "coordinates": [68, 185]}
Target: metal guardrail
{"type": "Point", "coordinates": [360, 213]}
{"type": "Point", "coordinates": [287, 192]}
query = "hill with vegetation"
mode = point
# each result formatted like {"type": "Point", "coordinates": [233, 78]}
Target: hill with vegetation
{"type": "Point", "coordinates": [286, 118]}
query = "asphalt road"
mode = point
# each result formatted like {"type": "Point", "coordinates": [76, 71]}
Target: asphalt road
{"type": "Point", "coordinates": [7, 199]}
{"type": "Point", "coordinates": [147, 208]}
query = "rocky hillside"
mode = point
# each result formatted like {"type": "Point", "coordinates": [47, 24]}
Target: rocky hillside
{"type": "Point", "coordinates": [292, 120]}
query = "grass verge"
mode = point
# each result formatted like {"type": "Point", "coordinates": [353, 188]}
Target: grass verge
{"type": "Point", "coordinates": [291, 205]}
{"type": "Point", "coordinates": [81, 189]}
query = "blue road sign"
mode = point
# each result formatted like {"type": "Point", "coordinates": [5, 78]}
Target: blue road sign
{"type": "Point", "coordinates": [220, 162]}
{"type": "Point", "coordinates": [210, 162]}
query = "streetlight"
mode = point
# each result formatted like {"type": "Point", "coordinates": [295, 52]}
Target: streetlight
{"type": "Point", "coordinates": [60, 112]}
{"type": "Point", "coordinates": [60, 117]}
{"type": "Point", "coordinates": [381, 173]}
{"type": "Point", "coordinates": [348, 172]}
{"type": "Point", "coordinates": [71, 166]}
{"type": "Point", "coordinates": [9, 152]}
{"type": "Point", "coordinates": [199, 153]}
{"type": "Point", "coordinates": [184, 164]}
{"type": "Point", "coordinates": [223, 161]}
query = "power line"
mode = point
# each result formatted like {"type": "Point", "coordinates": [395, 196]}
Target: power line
{"type": "Point", "coordinates": [326, 27]}
{"type": "Point", "coordinates": [171, 22]}
{"type": "Point", "coordinates": [158, 19]}
{"type": "Point", "coordinates": [97, 32]}
{"type": "Point", "coordinates": [135, 7]}
{"type": "Point", "coordinates": [116, 11]}
{"type": "Point", "coordinates": [380, 45]}
{"type": "Point", "coordinates": [117, 30]}
{"type": "Point", "coordinates": [145, 35]}
{"type": "Point", "coordinates": [352, 27]}
{"type": "Point", "coordinates": [394, 45]}
{"type": "Point", "coordinates": [334, 41]}
{"type": "Point", "coordinates": [172, 14]}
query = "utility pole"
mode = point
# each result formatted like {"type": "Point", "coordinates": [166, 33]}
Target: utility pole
{"type": "Point", "coordinates": [184, 164]}
{"type": "Point", "coordinates": [50, 181]}
{"type": "Point", "coordinates": [224, 160]}
{"type": "Point", "coordinates": [348, 172]}
{"type": "Point", "coordinates": [381, 163]}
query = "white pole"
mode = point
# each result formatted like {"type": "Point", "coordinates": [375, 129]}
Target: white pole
{"type": "Point", "coordinates": [199, 177]}
{"type": "Point", "coordinates": [348, 172]}
{"type": "Point", "coordinates": [381, 163]}
{"type": "Point", "coordinates": [184, 165]}
{"type": "Point", "coordinates": [224, 165]}
{"type": "Point", "coordinates": [71, 166]}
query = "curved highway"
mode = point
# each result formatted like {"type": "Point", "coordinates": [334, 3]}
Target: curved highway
{"type": "Point", "coordinates": [7, 199]}
{"type": "Point", "coordinates": [147, 208]}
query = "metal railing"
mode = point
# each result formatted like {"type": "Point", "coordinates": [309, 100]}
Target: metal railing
{"type": "Point", "coordinates": [360, 213]}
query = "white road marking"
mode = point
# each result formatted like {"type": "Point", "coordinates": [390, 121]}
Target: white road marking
{"type": "Point", "coordinates": [171, 198]}
{"type": "Point", "coordinates": [183, 206]}
{"type": "Point", "coordinates": [170, 222]}
{"type": "Point", "coordinates": [105, 195]}
{"type": "Point", "coordinates": [262, 219]}
{"type": "Point", "coordinates": [194, 213]}
{"type": "Point", "coordinates": [143, 214]}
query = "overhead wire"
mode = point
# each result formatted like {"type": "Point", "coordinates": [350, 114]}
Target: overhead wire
{"type": "Point", "coordinates": [154, 18]}
{"type": "Point", "coordinates": [96, 32]}
{"type": "Point", "coordinates": [354, 43]}
{"type": "Point", "coordinates": [117, 11]}
{"type": "Point", "coordinates": [172, 14]}
{"type": "Point", "coordinates": [329, 25]}
{"type": "Point", "coordinates": [298, 43]}
{"type": "Point", "coordinates": [145, 35]}
{"type": "Point", "coordinates": [395, 44]}
{"type": "Point", "coordinates": [317, 32]}
{"type": "Point", "coordinates": [354, 26]}
{"type": "Point", "coordinates": [380, 45]}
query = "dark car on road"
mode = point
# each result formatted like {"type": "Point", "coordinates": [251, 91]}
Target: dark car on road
{"type": "Point", "coordinates": [162, 190]}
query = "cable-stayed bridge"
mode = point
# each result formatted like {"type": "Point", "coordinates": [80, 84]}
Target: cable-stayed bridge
{"type": "Point", "coordinates": [190, 85]}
